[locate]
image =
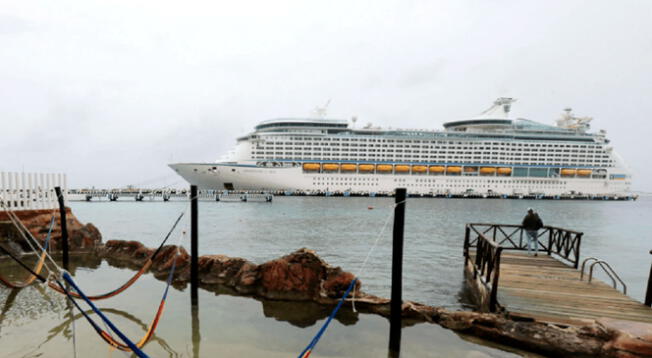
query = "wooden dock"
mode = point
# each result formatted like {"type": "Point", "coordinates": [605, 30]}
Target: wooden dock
{"type": "Point", "coordinates": [547, 288]}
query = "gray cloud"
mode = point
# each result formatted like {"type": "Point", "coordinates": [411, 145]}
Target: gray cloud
{"type": "Point", "coordinates": [112, 92]}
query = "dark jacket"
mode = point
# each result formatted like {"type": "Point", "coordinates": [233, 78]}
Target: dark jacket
{"type": "Point", "coordinates": [532, 222]}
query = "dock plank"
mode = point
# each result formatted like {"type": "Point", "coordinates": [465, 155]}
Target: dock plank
{"type": "Point", "coordinates": [546, 289]}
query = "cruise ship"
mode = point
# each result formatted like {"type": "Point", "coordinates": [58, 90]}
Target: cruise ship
{"type": "Point", "coordinates": [490, 154]}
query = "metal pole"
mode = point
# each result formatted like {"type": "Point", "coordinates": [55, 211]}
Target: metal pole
{"type": "Point", "coordinates": [64, 228]}
{"type": "Point", "coordinates": [648, 295]}
{"type": "Point", "coordinates": [193, 245]}
{"type": "Point", "coordinates": [397, 274]}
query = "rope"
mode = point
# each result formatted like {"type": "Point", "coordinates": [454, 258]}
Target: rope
{"type": "Point", "coordinates": [37, 268]}
{"type": "Point", "coordinates": [97, 328]}
{"type": "Point", "coordinates": [306, 352]}
{"type": "Point", "coordinates": [23, 265]}
{"type": "Point", "coordinates": [133, 279]}
{"type": "Point", "coordinates": [18, 223]}
{"type": "Point", "coordinates": [128, 345]}
{"type": "Point", "coordinates": [373, 247]}
{"type": "Point", "coordinates": [22, 229]}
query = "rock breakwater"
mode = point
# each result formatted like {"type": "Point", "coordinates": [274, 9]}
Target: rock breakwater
{"type": "Point", "coordinates": [81, 237]}
{"type": "Point", "coordinates": [304, 276]}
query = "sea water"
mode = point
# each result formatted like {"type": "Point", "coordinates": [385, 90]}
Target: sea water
{"type": "Point", "coordinates": [343, 231]}
{"type": "Point", "coordinates": [36, 321]}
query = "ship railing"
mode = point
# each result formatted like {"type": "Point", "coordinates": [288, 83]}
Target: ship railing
{"type": "Point", "coordinates": [564, 243]}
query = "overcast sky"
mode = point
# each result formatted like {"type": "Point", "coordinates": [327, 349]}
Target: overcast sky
{"type": "Point", "coordinates": [111, 92]}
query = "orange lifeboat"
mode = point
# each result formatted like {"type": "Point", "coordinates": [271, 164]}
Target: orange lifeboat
{"type": "Point", "coordinates": [453, 170]}
{"type": "Point", "coordinates": [348, 167]}
{"type": "Point", "coordinates": [402, 168]}
{"type": "Point", "coordinates": [437, 169]}
{"type": "Point", "coordinates": [419, 169]}
{"type": "Point", "coordinates": [311, 167]}
{"type": "Point", "coordinates": [487, 170]}
{"type": "Point", "coordinates": [584, 172]}
{"type": "Point", "coordinates": [470, 169]}
{"type": "Point", "coordinates": [366, 167]}
{"type": "Point", "coordinates": [330, 167]}
{"type": "Point", "coordinates": [504, 171]}
{"type": "Point", "coordinates": [568, 172]}
{"type": "Point", "coordinates": [384, 168]}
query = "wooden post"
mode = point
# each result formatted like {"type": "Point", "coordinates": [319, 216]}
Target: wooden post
{"type": "Point", "coordinates": [193, 246]}
{"type": "Point", "coordinates": [648, 295]}
{"type": "Point", "coordinates": [397, 274]}
{"type": "Point", "coordinates": [467, 238]}
{"type": "Point", "coordinates": [493, 300]}
{"type": "Point", "coordinates": [196, 336]}
{"type": "Point", "coordinates": [64, 228]}
{"type": "Point", "coordinates": [578, 243]}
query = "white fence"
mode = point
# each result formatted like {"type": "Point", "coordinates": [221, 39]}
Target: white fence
{"type": "Point", "coordinates": [31, 191]}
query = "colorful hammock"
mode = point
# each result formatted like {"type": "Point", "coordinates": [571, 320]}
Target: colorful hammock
{"type": "Point", "coordinates": [37, 268]}
{"type": "Point", "coordinates": [306, 352]}
{"type": "Point", "coordinates": [128, 345]}
{"type": "Point", "coordinates": [127, 284]}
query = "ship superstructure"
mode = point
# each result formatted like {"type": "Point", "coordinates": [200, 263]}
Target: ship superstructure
{"type": "Point", "coordinates": [491, 154]}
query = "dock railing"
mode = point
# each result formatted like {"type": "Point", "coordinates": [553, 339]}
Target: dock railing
{"type": "Point", "coordinates": [648, 294]}
{"type": "Point", "coordinates": [489, 240]}
{"type": "Point", "coordinates": [30, 191]}
{"type": "Point", "coordinates": [551, 240]}
{"type": "Point", "coordinates": [486, 263]}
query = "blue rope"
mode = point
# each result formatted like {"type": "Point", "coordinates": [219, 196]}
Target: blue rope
{"type": "Point", "coordinates": [124, 338]}
{"type": "Point", "coordinates": [174, 265]}
{"type": "Point", "coordinates": [47, 239]}
{"type": "Point", "coordinates": [314, 341]}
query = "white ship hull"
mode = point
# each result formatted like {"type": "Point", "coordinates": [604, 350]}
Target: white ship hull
{"type": "Point", "coordinates": [248, 177]}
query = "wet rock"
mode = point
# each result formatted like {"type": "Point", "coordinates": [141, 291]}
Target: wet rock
{"type": "Point", "coordinates": [299, 276]}
{"type": "Point", "coordinates": [82, 237]}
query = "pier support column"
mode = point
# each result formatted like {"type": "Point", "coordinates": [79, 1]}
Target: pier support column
{"type": "Point", "coordinates": [397, 274]}
{"type": "Point", "coordinates": [64, 227]}
{"type": "Point", "coordinates": [194, 279]}
{"type": "Point", "coordinates": [648, 295]}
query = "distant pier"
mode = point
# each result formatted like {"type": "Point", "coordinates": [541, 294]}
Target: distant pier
{"type": "Point", "coordinates": [167, 194]}
{"type": "Point", "coordinates": [111, 195]}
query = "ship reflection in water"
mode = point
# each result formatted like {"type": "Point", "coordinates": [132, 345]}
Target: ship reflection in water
{"type": "Point", "coordinates": [36, 321]}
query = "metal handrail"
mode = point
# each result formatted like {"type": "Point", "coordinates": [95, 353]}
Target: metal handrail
{"type": "Point", "coordinates": [584, 263]}
{"type": "Point", "coordinates": [602, 264]}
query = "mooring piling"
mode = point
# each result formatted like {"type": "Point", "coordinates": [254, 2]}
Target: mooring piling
{"type": "Point", "coordinates": [64, 227]}
{"type": "Point", "coordinates": [196, 336]}
{"type": "Point", "coordinates": [397, 274]}
{"type": "Point", "coordinates": [194, 278]}
{"type": "Point", "coordinates": [648, 295]}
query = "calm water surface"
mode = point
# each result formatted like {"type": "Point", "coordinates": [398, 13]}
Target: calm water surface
{"type": "Point", "coordinates": [342, 230]}
{"type": "Point", "coordinates": [34, 322]}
